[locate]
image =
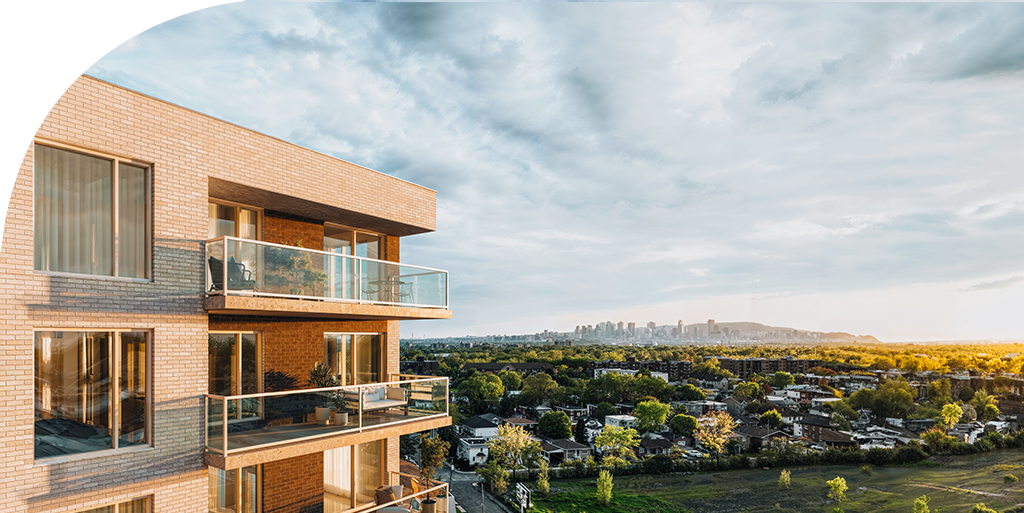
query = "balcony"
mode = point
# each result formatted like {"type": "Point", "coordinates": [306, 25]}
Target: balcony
{"type": "Point", "coordinates": [428, 489]}
{"type": "Point", "coordinates": [251, 429]}
{"type": "Point", "coordinates": [259, 278]}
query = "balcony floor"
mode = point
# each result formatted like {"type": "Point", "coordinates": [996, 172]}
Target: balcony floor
{"type": "Point", "coordinates": [256, 305]}
{"type": "Point", "coordinates": [293, 432]}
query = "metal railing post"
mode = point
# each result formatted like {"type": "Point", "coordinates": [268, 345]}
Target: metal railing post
{"type": "Point", "coordinates": [224, 426]}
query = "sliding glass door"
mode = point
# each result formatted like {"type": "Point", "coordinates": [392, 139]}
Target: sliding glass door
{"type": "Point", "coordinates": [351, 475]}
{"type": "Point", "coordinates": [355, 358]}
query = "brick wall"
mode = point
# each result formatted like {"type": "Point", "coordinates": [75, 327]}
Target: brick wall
{"type": "Point", "coordinates": [294, 485]}
{"type": "Point", "coordinates": [293, 345]}
{"type": "Point", "coordinates": [187, 151]}
{"type": "Point", "coordinates": [284, 229]}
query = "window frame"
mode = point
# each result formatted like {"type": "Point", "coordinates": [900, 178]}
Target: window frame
{"type": "Point", "coordinates": [353, 233]}
{"type": "Point", "coordinates": [238, 485]}
{"type": "Point", "coordinates": [236, 369]}
{"type": "Point", "coordinates": [115, 161]}
{"type": "Point", "coordinates": [240, 206]}
{"type": "Point", "coordinates": [382, 375]}
{"type": "Point", "coordinates": [114, 349]}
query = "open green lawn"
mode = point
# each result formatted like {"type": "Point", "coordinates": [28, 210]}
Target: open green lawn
{"type": "Point", "coordinates": [954, 487]}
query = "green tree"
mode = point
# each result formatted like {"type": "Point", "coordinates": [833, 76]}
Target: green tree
{"type": "Point", "coordinates": [538, 388]}
{"type": "Point", "coordinates": [861, 399]}
{"type": "Point", "coordinates": [784, 479]}
{"type": "Point", "coordinates": [543, 485]}
{"type": "Point", "coordinates": [683, 425]}
{"type": "Point", "coordinates": [555, 424]}
{"type": "Point", "coordinates": [982, 399]}
{"type": "Point", "coordinates": [894, 398]}
{"type": "Point", "coordinates": [965, 394]}
{"type": "Point", "coordinates": [481, 391]}
{"type": "Point", "coordinates": [650, 415]}
{"type": "Point", "coordinates": [783, 380]}
{"type": "Point", "coordinates": [748, 391]}
{"type": "Point", "coordinates": [837, 489]}
{"type": "Point", "coordinates": [951, 414]}
{"type": "Point", "coordinates": [981, 508]}
{"type": "Point", "coordinates": [605, 409]}
{"type": "Point", "coordinates": [604, 487]}
{"type": "Point", "coordinates": [713, 431]}
{"type": "Point", "coordinates": [433, 449]}
{"type": "Point", "coordinates": [771, 418]}
{"type": "Point", "coordinates": [843, 408]}
{"type": "Point", "coordinates": [617, 442]}
{"type": "Point", "coordinates": [508, 447]}
{"type": "Point", "coordinates": [711, 367]}
{"type": "Point", "coordinates": [921, 504]}
{"type": "Point", "coordinates": [840, 422]}
{"type": "Point", "coordinates": [495, 476]}
{"type": "Point", "coordinates": [691, 393]}
{"type": "Point", "coordinates": [511, 379]}
{"type": "Point", "coordinates": [939, 391]}
{"type": "Point", "coordinates": [990, 412]}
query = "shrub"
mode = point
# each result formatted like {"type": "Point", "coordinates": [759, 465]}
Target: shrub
{"type": "Point", "coordinates": [921, 504]}
{"type": "Point", "coordinates": [865, 469]}
{"type": "Point", "coordinates": [542, 479]}
{"type": "Point", "coordinates": [659, 464]}
{"type": "Point", "coordinates": [837, 489]}
{"type": "Point", "coordinates": [912, 453]}
{"type": "Point", "coordinates": [878, 456]}
{"type": "Point", "coordinates": [1010, 479]}
{"type": "Point", "coordinates": [784, 479]}
{"type": "Point", "coordinates": [604, 488]}
{"type": "Point", "coordinates": [981, 508]}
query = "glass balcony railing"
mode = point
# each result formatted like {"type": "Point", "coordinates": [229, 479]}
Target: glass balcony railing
{"type": "Point", "coordinates": [254, 268]}
{"type": "Point", "coordinates": [246, 422]}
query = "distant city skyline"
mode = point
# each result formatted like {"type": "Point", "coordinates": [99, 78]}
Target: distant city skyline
{"type": "Point", "coordinates": [833, 167]}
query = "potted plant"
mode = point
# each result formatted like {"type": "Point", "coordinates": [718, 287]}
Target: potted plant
{"type": "Point", "coordinates": [320, 376]}
{"type": "Point", "coordinates": [432, 452]}
{"type": "Point", "coordinates": [340, 415]}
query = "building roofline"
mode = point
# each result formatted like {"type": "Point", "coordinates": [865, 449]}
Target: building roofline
{"type": "Point", "coordinates": [250, 130]}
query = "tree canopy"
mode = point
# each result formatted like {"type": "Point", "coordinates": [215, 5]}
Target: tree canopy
{"type": "Point", "coordinates": [650, 415]}
{"type": "Point", "coordinates": [555, 424]}
{"type": "Point", "coordinates": [683, 425]}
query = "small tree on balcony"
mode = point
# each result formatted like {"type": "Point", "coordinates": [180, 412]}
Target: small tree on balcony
{"type": "Point", "coordinates": [433, 449]}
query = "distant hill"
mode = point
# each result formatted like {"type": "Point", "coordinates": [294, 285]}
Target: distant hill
{"type": "Point", "coordinates": [752, 327]}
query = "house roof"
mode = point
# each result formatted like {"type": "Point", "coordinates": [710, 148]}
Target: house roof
{"type": "Point", "coordinates": [520, 421]}
{"type": "Point", "coordinates": [568, 445]}
{"type": "Point", "coordinates": [813, 420]}
{"type": "Point", "coordinates": [478, 422]}
{"type": "Point", "coordinates": [833, 436]}
{"type": "Point", "coordinates": [655, 443]}
{"type": "Point", "coordinates": [758, 432]}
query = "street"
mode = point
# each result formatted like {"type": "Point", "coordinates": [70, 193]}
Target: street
{"type": "Point", "coordinates": [468, 496]}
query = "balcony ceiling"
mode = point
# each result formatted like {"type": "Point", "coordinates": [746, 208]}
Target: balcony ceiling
{"type": "Point", "coordinates": [246, 195]}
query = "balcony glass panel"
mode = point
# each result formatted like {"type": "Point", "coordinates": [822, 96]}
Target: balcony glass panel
{"type": "Point", "coordinates": [255, 268]}
{"type": "Point", "coordinates": [267, 419]}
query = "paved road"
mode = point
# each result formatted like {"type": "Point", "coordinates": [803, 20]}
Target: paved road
{"type": "Point", "coordinates": [467, 496]}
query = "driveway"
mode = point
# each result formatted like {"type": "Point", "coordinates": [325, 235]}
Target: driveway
{"type": "Point", "coordinates": [467, 496]}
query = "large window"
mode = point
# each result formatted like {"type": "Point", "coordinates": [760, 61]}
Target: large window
{"type": "Point", "coordinates": [346, 241]}
{"type": "Point", "coordinates": [351, 475]}
{"type": "Point", "coordinates": [235, 369]}
{"type": "Point", "coordinates": [135, 506]}
{"type": "Point", "coordinates": [91, 391]}
{"type": "Point", "coordinates": [235, 491]}
{"type": "Point", "coordinates": [91, 214]}
{"type": "Point", "coordinates": [355, 358]}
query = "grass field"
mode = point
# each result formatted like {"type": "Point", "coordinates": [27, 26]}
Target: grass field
{"type": "Point", "coordinates": [953, 487]}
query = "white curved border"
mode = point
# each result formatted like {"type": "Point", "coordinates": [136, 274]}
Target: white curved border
{"type": "Point", "coordinates": [46, 45]}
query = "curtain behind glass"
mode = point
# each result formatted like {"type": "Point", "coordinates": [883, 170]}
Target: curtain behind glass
{"type": "Point", "coordinates": [135, 506]}
{"type": "Point", "coordinates": [367, 359]}
{"type": "Point", "coordinates": [73, 212]}
{"type": "Point", "coordinates": [132, 219]}
{"type": "Point", "coordinates": [369, 464]}
{"type": "Point", "coordinates": [338, 473]}
{"type": "Point", "coordinates": [133, 406]}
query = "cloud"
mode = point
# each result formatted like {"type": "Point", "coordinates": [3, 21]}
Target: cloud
{"type": "Point", "coordinates": [589, 157]}
{"type": "Point", "coordinates": [995, 284]}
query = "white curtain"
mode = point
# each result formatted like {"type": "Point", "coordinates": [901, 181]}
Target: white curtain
{"type": "Point", "coordinates": [133, 207]}
{"type": "Point", "coordinates": [73, 212]}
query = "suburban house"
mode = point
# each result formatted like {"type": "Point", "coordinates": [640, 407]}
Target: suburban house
{"type": "Point", "coordinates": [473, 450]}
{"type": "Point", "coordinates": [528, 425]}
{"type": "Point", "coordinates": [178, 279]}
{"type": "Point", "coordinates": [478, 426]}
{"type": "Point", "coordinates": [622, 421]}
{"type": "Point", "coordinates": [558, 451]}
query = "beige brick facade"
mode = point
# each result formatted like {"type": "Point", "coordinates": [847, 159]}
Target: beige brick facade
{"type": "Point", "coordinates": [193, 157]}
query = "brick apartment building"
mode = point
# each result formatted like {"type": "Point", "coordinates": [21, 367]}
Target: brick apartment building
{"type": "Point", "coordinates": [171, 280]}
{"type": "Point", "coordinates": [744, 367]}
{"type": "Point", "coordinates": [677, 370]}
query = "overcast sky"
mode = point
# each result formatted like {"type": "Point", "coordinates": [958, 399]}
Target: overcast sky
{"type": "Point", "coordinates": [838, 167]}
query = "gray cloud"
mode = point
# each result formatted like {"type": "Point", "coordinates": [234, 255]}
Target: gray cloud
{"type": "Point", "coordinates": [591, 157]}
{"type": "Point", "coordinates": [996, 284]}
